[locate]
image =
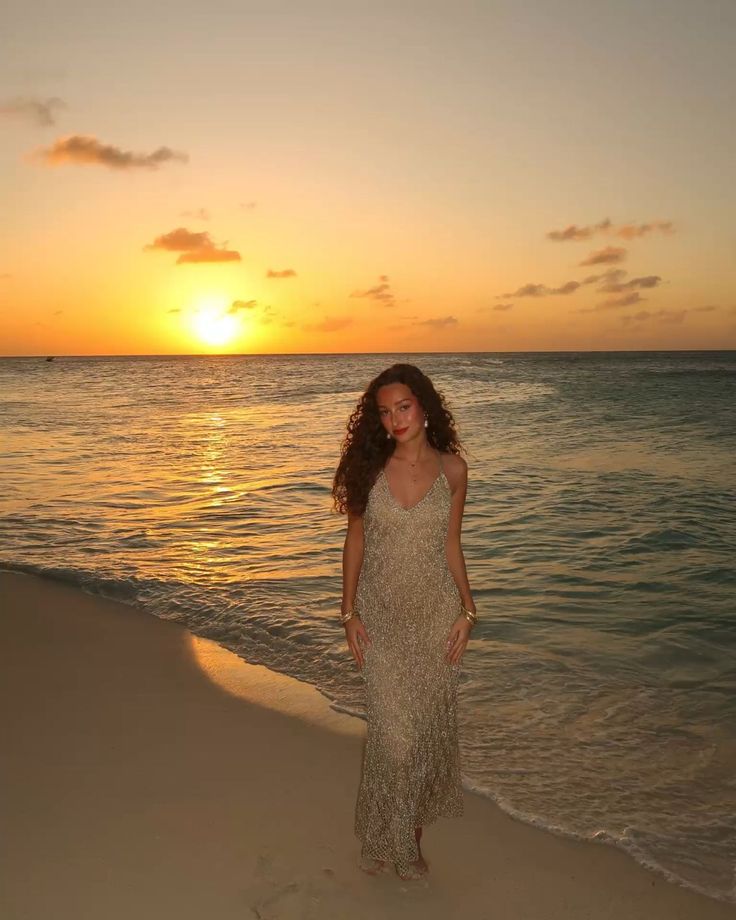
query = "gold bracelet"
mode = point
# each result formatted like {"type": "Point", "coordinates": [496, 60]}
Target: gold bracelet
{"type": "Point", "coordinates": [469, 615]}
{"type": "Point", "coordinates": [348, 615]}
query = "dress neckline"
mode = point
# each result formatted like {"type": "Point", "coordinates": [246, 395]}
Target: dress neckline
{"type": "Point", "coordinates": [437, 478]}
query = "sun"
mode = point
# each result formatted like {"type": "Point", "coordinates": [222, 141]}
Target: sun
{"type": "Point", "coordinates": [213, 324]}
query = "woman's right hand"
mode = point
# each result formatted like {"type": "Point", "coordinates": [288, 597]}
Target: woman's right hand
{"type": "Point", "coordinates": [355, 634]}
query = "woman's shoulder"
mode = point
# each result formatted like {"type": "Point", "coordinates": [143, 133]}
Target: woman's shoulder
{"type": "Point", "coordinates": [454, 465]}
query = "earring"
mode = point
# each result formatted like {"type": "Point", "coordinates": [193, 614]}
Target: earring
{"type": "Point", "coordinates": [426, 423]}
{"type": "Point", "coordinates": [388, 435]}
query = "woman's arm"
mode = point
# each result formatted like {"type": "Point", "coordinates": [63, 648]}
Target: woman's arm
{"type": "Point", "coordinates": [457, 641]}
{"type": "Point", "coordinates": [352, 561]}
{"type": "Point", "coordinates": [453, 544]}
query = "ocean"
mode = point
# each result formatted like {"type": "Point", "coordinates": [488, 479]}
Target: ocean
{"type": "Point", "coordinates": [598, 694]}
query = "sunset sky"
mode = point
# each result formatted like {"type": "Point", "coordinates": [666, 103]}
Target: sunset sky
{"type": "Point", "coordinates": [344, 177]}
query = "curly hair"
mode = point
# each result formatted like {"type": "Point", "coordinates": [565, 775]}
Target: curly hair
{"type": "Point", "coordinates": [366, 448]}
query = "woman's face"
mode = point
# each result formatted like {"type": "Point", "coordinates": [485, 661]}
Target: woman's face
{"type": "Point", "coordinates": [400, 412]}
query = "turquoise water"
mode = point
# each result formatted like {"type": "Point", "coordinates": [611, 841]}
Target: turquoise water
{"type": "Point", "coordinates": [599, 692]}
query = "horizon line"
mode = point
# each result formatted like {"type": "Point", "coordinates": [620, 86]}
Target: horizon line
{"type": "Point", "coordinates": [345, 354]}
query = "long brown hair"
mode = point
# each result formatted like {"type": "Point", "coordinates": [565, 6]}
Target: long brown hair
{"type": "Point", "coordinates": [366, 448]}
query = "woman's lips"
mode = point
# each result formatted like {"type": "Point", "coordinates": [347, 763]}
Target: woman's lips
{"type": "Point", "coordinates": [401, 430]}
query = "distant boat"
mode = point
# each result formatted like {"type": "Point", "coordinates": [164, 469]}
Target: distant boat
{"type": "Point", "coordinates": [49, 359]}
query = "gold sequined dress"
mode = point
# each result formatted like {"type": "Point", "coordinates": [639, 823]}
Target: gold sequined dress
{"type": "Point", "coordinates": [408, 601]}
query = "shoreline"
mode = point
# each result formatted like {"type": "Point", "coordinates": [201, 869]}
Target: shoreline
{"type": "Point", "coordinates": [150, 772]}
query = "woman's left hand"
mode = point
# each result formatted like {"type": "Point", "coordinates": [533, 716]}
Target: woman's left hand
{"type": "Point", "coordinates": [457, 641]}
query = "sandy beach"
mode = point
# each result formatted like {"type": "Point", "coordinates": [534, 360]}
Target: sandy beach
{"type": "Point", "coordinates": [148, 773]}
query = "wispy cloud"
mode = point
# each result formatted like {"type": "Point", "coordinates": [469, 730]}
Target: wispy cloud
{"type": "Point", "coordinates": [617, 286]}
{"type": "Point", "coordinates": [196, 214]}
{"type": "Point", "coordinates": [541, 290]}
{"type": "Point", "coordinates": [503, 306]}
{"type": "Point", "coordinates": [626, 300]}
{"type": "Point", "coordinates": [329, 324]}
{"type": "Point", "coordinates": [632, 231]}
{"type": "Point", "coordinates": [39, 111]}
{"type": "Point", "coordinates": [283, 273]}
{"type": "Point", "coordinates": [573, 233]}
{"type": "Point", "coordinates": [84, 150]}
{"type": "Point", "coordinates": [381, 292]}
{"type": "Point", "coordinates": [609, 282]}
{"type": "Point", "coordinates": [611, 275]}
{"type": "Point", "coordinates": [672, 317]}
{"type": "Point", "coordinates": [237, 305]}
{"type": "Point", "coordinates": [194, 247]}
{"type": "Point", "coordinates": [438, 323]}
{"type": "Point", "coordinates": [606, 256]}
{"type": "Point", "coordinates": [613, 303]}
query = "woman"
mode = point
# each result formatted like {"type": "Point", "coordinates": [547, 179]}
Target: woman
{"type": "Point", "coordinates": [407, 609]}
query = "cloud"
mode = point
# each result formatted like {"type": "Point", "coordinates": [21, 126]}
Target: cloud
{"type": "Point", "coordinates": [708, 309]}
{"type": "Point", "coordinates": [568, 288]}
{"type": "Point", "coordinates": [174, 310]}
{"type": "Point", "coordinates": [237, 305]}
{"type": "Point", "coordinates": [616, 287]}
{"type": "Point", "coordinates": [503, 306]}
{"type": "Point", "coordinates": [197, 214]}
{"type": "Point", "coordinates": [663, 316]}
{"type": "Point", "coordinates": [39, 111]}
{"type": "Point", "coordinates": [5, 276]}
{"type": "Point", "coordinates": [541, 290]}
{"type": "Point", "coordinates": [632, 231]}
{"type": "Point", "coordinates": [84, 150]}
{"type": "Point", "coordinates": [247, 205]}
{"type": "Point", "coordinates": [439, 323]}
{"type": "Point", "coordinates": [573, 233]}
{"type": "Point", "coordinates": [614, 303]}
{"type": "Point", "coordinates": [605, 256]}
{"type": "Point", "coordinates": [609, 282]}
{"type": "Point", "coordinates": [626, 300]}
{"type": "Point", "coordinates": [612, 275]}
{"type": "Point", "coordinates": [381, 292]}
{"type": "Point", "coordinates": [329, 324]}
{"type": "Point", "coordinates": [284, 273]}
{"type": "Point", "coordinates": [528, 290]}
{"type": "Point", "coordinates": [194, 247]}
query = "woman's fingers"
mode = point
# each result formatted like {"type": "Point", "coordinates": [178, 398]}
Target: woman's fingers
{"type": "Point", "coordinates": [452, 643]}
{"type": "Point", "coordinates": [357, 653]}
{"type": "Point", "coordinates": [457, 652]}
{"type": "Point", "coordinates": [356, 633]}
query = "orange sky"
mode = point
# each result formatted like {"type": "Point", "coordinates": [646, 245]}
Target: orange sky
{"type": "Point", "coordinates": [315, 177]}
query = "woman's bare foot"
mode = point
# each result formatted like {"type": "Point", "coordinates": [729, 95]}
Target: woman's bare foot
{"type": "Point", "coordinates": [417, 869]}
{"type": "Point", "coordinates": [372, 866]}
